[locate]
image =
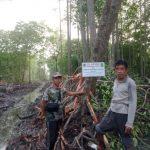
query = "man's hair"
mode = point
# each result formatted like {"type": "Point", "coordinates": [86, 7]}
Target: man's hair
{"type": "Point", "coordinates": [121, 62]}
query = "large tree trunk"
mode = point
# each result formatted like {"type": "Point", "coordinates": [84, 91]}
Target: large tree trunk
{"type": "Point", "coordinates": [91, 24]}
{"type": "Point", "coordinates": [106, 25]}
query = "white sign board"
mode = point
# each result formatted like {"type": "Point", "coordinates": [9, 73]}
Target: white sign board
{"type": "Point", "coordinates": [93, 69]}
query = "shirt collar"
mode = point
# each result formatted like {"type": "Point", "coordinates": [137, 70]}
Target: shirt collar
{"type": "Point", "coordinates": [122, 81]}
{"type": "Point", "coordinates": [54, 86]}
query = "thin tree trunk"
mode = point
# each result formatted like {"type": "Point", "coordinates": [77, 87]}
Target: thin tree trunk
{"type": "Point", "coordinates": [120, 40]}
{"type": "Point", "coordinates": [56, 67]}
{"type": "Point", "coordinates": [68, 37]}
{"type": "Point", "coordinates": [88, 41]}
{"type": "Point", "coordinates": [79, 48]}
{"type": "Point", "coordinates": [82, 21]}
{"type": "Point", "coordinates": [112, 53]}
{"type": "Point", "coordinates": [141, 48]}
{"type": "Point", "coordinates": [145, 37]}
{"type": "Point", "coordinates": [117, 39]}
{"type": "Point", "coordinates": [60, 29]}
{"type": "Point", "coordinates": [29, 69]}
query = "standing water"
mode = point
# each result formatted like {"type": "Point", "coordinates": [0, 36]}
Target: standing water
{"type": "Point", "coordinates": [9, 118]}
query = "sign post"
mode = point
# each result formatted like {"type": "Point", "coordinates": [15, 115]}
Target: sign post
{"type": "Point", "coordinates": [93, 69]}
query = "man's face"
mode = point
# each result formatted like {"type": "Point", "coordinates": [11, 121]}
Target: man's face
{"type": "Point", "coordinates": [121, 71]}
{"type": "Point", "coordinates": [57, 80]}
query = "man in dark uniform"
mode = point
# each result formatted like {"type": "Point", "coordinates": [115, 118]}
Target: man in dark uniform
{"type": "Point", "coordinates": [51, 107]}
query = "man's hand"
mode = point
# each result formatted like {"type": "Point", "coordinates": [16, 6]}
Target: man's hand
{"type": "Point", "coordinates": [40, 113]}
{"type": "Point", "coordinates": [128, 130]}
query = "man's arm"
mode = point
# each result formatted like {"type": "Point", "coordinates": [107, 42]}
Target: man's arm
{"type": "Point", "coordinates": [132, 106]}
{"type": "Point", "coordinates": [43, 103]}
{"type": "Point", "coordinates": [42, 107]}
{"type": "Point", "coordinates": [70, 93]}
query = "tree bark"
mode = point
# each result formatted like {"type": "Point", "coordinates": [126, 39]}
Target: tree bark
{"type": "Point", "coordinates": [91, 24]}
{"type": "Point", "coordinates": [106, 25]}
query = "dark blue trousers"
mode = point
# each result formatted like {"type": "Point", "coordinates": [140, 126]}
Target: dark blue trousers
{"type": "Point", "coordinates": [115, 122]}
{"type": "Point", "coordinates": [53, 126]}
{"type": "Point", "coordinates": [52, 133]}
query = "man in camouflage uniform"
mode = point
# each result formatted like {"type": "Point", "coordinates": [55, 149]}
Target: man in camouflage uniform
{"type": "Point", "coordinates": [51, 108]}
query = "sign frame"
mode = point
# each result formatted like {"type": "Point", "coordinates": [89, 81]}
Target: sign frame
{"type": "Point", "coordinates": [93, 69]}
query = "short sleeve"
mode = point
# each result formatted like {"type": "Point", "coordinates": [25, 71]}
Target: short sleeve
{"type": "Point", "coordinates": [45, 95]}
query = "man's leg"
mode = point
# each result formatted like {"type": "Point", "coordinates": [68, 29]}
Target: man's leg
{"type": "Point", "coordinates": [53, 133]}
{"type": "Point", "coordinates": [121, 120]}
{"type": "Point", "coordinates": [52, 130]}
{"type": "Point", "coordinates": [107, 124]}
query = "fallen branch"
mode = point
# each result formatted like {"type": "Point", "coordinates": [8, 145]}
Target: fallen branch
{"type": "Point", "coordinates": [4, 107]}
{"type": "Point", "coordinates": [145, 144]}
{"type": "Point", "coordinates": [70, 117]}
{"type": "Point", "coordinates": [77, 138]}
{"type": "Point", "coordinates": [90, 139]}
{"type": "Point", "coordinates": [26, 117]}
{"type": "Point", "coordinates": [145, 98]}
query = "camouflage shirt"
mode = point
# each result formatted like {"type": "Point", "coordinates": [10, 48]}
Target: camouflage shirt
{"type": "Point", "coordinates": [54, 95]}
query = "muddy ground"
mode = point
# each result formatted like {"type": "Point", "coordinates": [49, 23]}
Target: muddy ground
{"type": "Point", "coordinates": [30, 131]}
{"type": "Point", "coordinates": [9, 98]}
{"type": "Point", "coordinates": [13, 106]}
